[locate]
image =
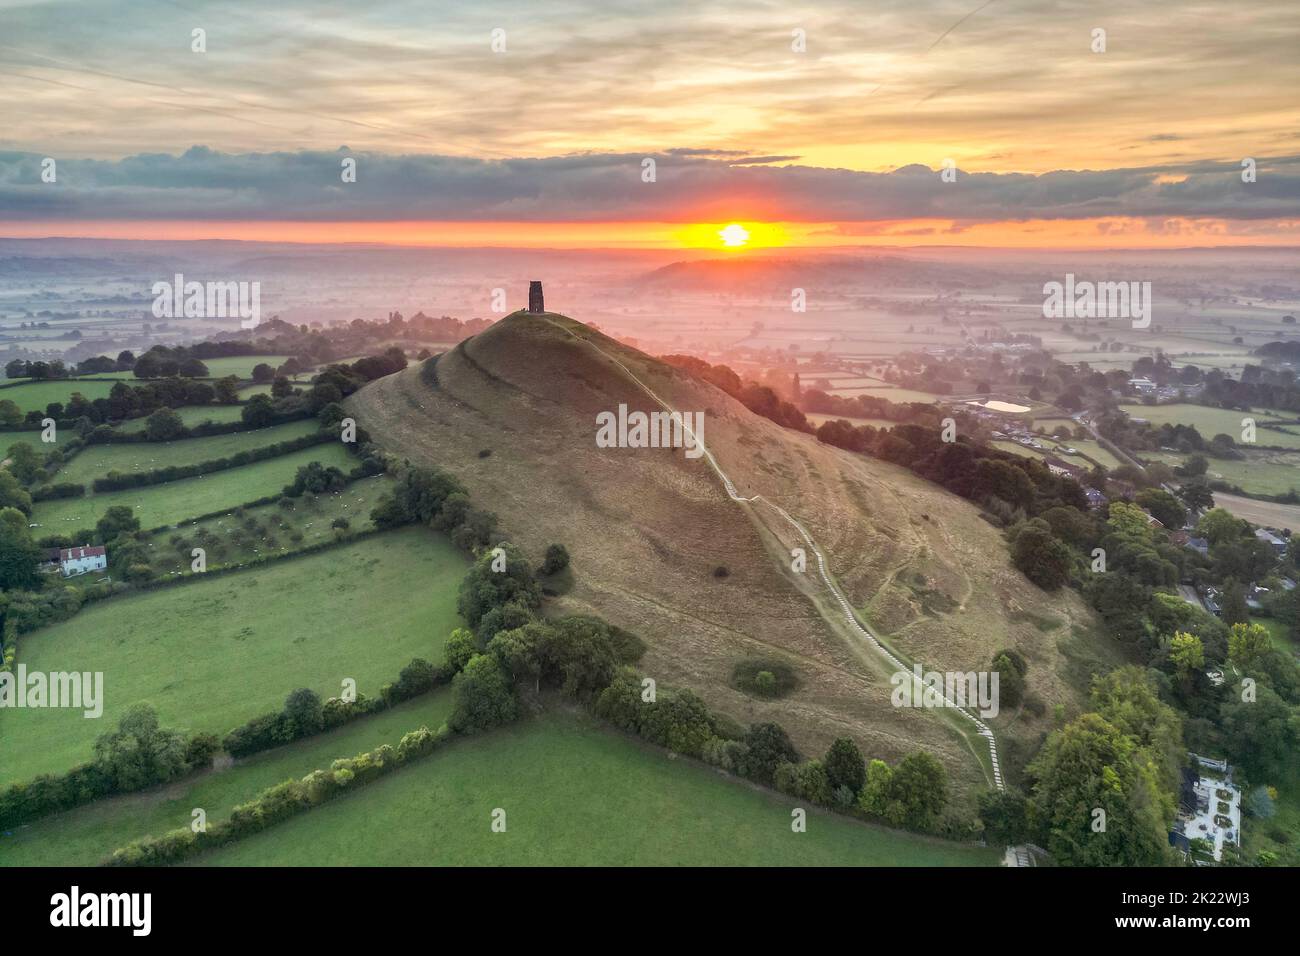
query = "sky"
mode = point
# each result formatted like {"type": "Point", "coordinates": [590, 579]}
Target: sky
{"type": "Point", "coordinates": [495, 123]}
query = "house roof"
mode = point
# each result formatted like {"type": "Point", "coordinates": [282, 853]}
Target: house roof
{"type": "Point", "coordinates": [85, 551]}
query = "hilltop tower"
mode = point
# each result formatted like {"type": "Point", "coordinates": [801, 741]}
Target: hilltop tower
{"type": "Point", "coordinates": [535, 304]}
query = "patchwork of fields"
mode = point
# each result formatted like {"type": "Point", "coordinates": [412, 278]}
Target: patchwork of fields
{"type": "Point", "coordinates": [192, 415]}
{"type": "Point", "coordinates": [96, 461]}
{"type": "Point", "coordinates": [84, 836]}
{"type": "Point", "coordinates": [1214, 421]}
{"type": "Point", "coordinates": [575, 794]}
{"type": "Point", "coordinates": [212, 653]}
{"type": "Point", "coordinates": [175, 501]}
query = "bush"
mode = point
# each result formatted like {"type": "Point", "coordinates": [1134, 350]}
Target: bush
{"type": "Point", "coordinates": [780, 679]}
{"type": "Point", "coordinates": [556, 560]}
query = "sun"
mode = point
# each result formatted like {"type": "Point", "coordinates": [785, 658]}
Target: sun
{"type": "Point", "coordinates": [734, 235]}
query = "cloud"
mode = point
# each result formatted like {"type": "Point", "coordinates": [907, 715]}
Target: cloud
{"type": "Point", "coordinates": [692, 185]}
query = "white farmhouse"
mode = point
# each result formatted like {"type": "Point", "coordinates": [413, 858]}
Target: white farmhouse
{"type": "Point", "coordinates": [83, 559]}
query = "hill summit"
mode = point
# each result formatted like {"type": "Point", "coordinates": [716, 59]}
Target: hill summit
{"type": "Point", "coordinates": [661, 549]}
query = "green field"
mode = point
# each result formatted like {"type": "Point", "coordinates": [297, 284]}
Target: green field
{"type": "Point", "coordinates": [890, 394]}
{"type": "Point", "coordinates": [1088, 448]}
{"type": "Point", "coordinates": [574, 794]}
{"type": "Point", "coordinates": [159, 505]}
{"type": "Point", "coordinates": [1017, 449]}
{"type": "Point", "coordinates": [818, 418]}
{"type": "Point", "coordinates": [1214, 421]}
{"type": "Point", "coordinates": [1260, 472]}
{"type": "Point", "coordinates": [211, 654]}
{"type": "Point", "coordinates": [192, 415]}
{"type": "Point", "coordinates": [61, 437]}
{"type": "Point", "coordinates": [96, 461]}
{"type": "Point", "coordinates": [229, 539]}
{"type": "Point", "coordinates": [37, 395]}
{"type": "Point", "coordinates": [241, 365]}
{"type": "Point", "coordinates": [86, 835]}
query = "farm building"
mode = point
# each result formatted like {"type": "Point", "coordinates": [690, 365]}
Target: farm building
{"type": "Point", "coordinates": [74, 561]}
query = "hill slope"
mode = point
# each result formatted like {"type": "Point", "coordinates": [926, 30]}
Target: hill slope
{"type": "Point", "coordinates": [648, 528]}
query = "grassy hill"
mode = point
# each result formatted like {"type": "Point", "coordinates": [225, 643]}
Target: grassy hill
{"type": "Point", "coordinates": [512, 412]}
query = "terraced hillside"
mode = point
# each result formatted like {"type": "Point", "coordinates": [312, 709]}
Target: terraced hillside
{"type": "Point", "coordinates": [512, 412]}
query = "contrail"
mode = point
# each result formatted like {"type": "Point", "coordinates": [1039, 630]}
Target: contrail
{"type": "Point", "coordinates": [957, 24]}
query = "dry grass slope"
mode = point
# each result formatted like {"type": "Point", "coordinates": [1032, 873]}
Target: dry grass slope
{"type": "Point", "coordinates": [648, 527]}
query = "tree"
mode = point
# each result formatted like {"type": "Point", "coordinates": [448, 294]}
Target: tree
{"type": "Point", "coordinates": [844, 765]}
{"type": "Point", "coordinates": [12, 494]}
{"type": "Point", "coordinates": [1040, 556]}
{"type": "Point", "coordinates": [140, 753]}
{"type": "Point", "coordinates": [461, 646]}
{"type": "Point", "coordinates": [1163, 506]}
{"type": "Point", "coordinates": [1011, 681]}
{"type": "Point", "coordinates": [519, 652]}
{"type": "Point", "coordinates": [768, 746]}
{"type": "Point", "coordinates": [1196, 494]}
{"type": "Point", "coordinates": [482, 696]}
{"type": "Point", "coordinates": [1247, 643]}
{"type": "Point", "coordinates": [1218, 526]}
{"type": "Point", "coordinates": [117, 520]}
{"type": "Point", "coordinates": [227, 390]}
{"type": "Point", "coordinates": [1095, 802]}
{"type": "Point", "coordinates": [578, 654]}
{"type": "Point", "coordinates": [1233, 608]}
{"type": "Point", "coordinates": [303, 713]}
{"type": "Point", "coordinates": [1261, 735]}
{"type": "Point", "coordinates": [1187, 654]}
{"type": "Point", "coordinates": [192, 368]}
{"type": "Point", "coordinates": [919, 790]}
{"type": "Point", "coordinates": [1005, 815]}
{"type": "Point", "coordinates": [259, 412]}
{"type": "Point", "coordinates": [484, 588]}
{"type": "Point", "coordinates": [556, 560]}
{"type": "Point", "coordinates": [263, 373]}
{"type": "Point", "coordinates": [19, 555]}
{"type": "Point", "coordinates": [912, 794]}
{"type": "Point", "coordinates": [24, 462]}
{"type": "Point", "coordinates": [164, 425]}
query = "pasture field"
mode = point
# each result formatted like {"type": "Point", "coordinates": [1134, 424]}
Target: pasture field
{"type": "Point", "coordinates": [239, 538]}
{"type": "Point", "coordinates": [1017, 449]}
{"type": "Point", "coordinates": [61, 437]}
{"type": "Point", "coordinates": [888, 393]}
{"type": "Point", "coordinates": [1260, 472]}
{"type": "Point", "coordinates": [1214, 421]}
{"type": "Point", "coordinates": [574, 794]}
{"type": "Point", "coordinates": [95, 461]}
{"type": "Point", "coordinates": [1089, 448]}
{"type": "Point", "coordinates": [241, 365]}
{"type": "Point", "coordinates": [166, 504]}
{"type": "Point", "coordinates": [213, 653]}
{"type": "Point", "coordinates": [192, 415]}
{"type": "Point", "coordinates": [86, 835]}
{"type": "Point", "coordinates": [1268, 513]}
{"type": "Point", "coordinates": [818, 418]}
{"type": "Point", "coordinates": [37, 395]}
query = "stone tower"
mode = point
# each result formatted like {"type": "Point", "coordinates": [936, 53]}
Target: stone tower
{"type": "Point", "coordinates": [535, 304]}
